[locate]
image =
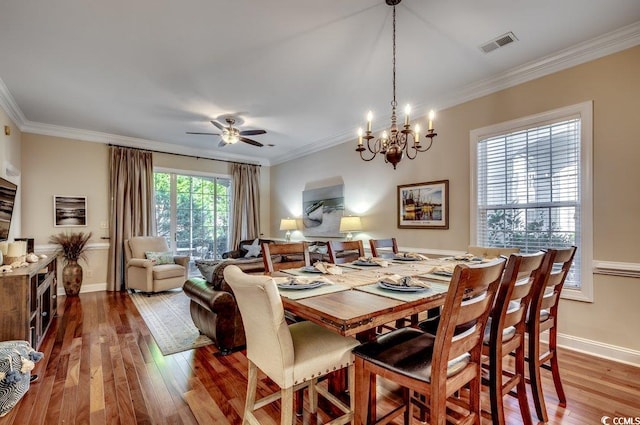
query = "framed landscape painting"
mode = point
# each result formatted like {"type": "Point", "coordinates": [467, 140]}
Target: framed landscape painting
{"type": "Point", "coordinates": [424, 205]}
{"type": "Point", "coordinates": [69, 211]}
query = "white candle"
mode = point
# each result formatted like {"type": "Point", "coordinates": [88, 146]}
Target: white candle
{"type": "Point", "coordinates": [369, 118]}
{"type": "Point", "coordinates": [432, 115]}
{"type": "Point", "coordinates": [407, 111]}
{"type": "Point", "coordinates": [360, 136]}
{"type": "Point", "coordinates": [416, 136]}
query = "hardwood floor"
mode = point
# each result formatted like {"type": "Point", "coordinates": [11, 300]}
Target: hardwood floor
{"type": "Point", "coordinates": [102, 366]}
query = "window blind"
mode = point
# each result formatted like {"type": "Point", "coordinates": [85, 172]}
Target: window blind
{"type": "Point", "coordinates": [529, 190]}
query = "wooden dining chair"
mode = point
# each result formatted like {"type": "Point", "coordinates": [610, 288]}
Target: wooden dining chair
{"type": "Point", "coordinates": [293, 356]}
{"type": "Point", "coordinates": [383, 246]}
{"type": "Point", "coordinates": [505, 334]}
{"type": "Point", "coordinates": [435, 366]}
{"type": "Point", "coordinates": [344, 252]}
{"type": "Point", "coordinates": [543, 316]}
{"type": "Point", "coordinates": [292, 255]}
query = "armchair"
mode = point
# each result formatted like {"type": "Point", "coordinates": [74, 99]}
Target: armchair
{"type": "Point", "coordinates": [147, 275]}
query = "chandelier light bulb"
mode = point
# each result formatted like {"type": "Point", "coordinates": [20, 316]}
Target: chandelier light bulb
{"type": "Point", "coordinates": [369, 118]}
{"type": "Point", "coordinates": [432, 115]}
{"type": "Point", "coordinates": [407, 111]}
{"type": "Point", "coordinates": [360, 136]}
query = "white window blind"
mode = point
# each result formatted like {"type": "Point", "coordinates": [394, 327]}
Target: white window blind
{"type": "Point", "coordinates": [528, 190]}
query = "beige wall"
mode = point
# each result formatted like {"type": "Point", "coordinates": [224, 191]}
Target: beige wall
{"type": "Point", "coordinates": [59, 166]}
{"type": "Point", "coordinates": [370, 187]}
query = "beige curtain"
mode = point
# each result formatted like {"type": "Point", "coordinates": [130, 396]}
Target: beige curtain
{"type": "Point", "coordinates": [245, 217]}
{"type": "Point", "coordinates": [131, 206]}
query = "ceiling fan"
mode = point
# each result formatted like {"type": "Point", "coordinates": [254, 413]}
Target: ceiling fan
{"type": "Point", "coordinates": [231, 134]}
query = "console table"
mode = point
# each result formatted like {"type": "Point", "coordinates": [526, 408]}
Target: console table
{"type": "Point", "coordinates": [29, 301]}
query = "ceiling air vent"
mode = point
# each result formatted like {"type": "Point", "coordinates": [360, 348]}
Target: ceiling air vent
{"type": "Point", "coordinates": [497, 42]}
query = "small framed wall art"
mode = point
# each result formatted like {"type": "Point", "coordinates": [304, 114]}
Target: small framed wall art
{"type": "Point", "coordinates": [424, 205]}
{"type": "Point", "coordinates": [69, 211]}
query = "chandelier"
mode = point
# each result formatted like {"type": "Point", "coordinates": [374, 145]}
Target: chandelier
{"type": "Point", "coordinates": [396, 142]}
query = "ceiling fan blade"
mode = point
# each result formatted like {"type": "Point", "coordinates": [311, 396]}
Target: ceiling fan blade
{"type": "Point", "coordinates": [252, 132]}
{"type": "Point", "coordinates": [222, 144]}
{"type": "Point", "coordinates": [217, 124]}
{"type": "Point", "coordinates": [207, 134]}
{"type": "Point", "coordinates": [251, 142]}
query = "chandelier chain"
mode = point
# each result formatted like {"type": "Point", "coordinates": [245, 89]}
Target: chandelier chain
{"type": "Point", "coordinates": [394, 103]}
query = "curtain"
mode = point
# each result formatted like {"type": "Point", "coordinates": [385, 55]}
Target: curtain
{"type": "Point", "coordinates": [245, 222]}
{"type": "Point", "coordinates": [131, 206]}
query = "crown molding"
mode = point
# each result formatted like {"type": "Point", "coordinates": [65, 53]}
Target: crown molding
{"type": "Point", "coordinates": [8, 103]}
{"type": "Point", "coordinates": [133, 142]}
{"type": "Point", "coordinates": [612, 42]}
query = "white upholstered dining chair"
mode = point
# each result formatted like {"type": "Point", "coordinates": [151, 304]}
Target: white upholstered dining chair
{"type": "Point", "coordinates": [293, 356]}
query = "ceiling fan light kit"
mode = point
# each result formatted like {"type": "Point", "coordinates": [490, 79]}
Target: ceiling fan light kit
{"type": "Point", "coordinates": [231, 134]}
{"type": "Point", "coordinates": [394, 143]}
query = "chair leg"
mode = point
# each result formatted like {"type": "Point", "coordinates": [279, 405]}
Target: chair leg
{"type": "Point", "coordinates": [535, 378]}
{"type": "Point", "coordinates": [252, 384]}
{"type": "Point", "coordinates": [521, 388]}
{"type": "Point", "coordinates": [555, 369]}
{"type": "Point", "coordinates": [313, 396]}
{"type": "Point", "coordinates": [495, 386]}
{"type": "Point", "coordinates": [286, 406]}
{"type": "Point", "coordinates": [475, 388]}
{"type": "Point", "coordinates": [351, 376]}
{"type": "Point", "coordinates": [408, 406]}
{"type": "Point", "coordinates": [362, 391]}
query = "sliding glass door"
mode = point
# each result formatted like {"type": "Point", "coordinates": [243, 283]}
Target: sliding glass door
{"type": "Point", "coordinates": [192, 212]}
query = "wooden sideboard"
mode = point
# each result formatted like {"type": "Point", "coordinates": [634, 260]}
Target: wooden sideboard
{"type": "Point", "coordinates": [29, 301]}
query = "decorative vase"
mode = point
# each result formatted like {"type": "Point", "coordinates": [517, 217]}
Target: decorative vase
{"type": "Point", "coordinates": [72, 278]}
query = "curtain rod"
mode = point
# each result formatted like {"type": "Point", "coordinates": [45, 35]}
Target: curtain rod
{"type": "Point", "coordinates": [188, 156]}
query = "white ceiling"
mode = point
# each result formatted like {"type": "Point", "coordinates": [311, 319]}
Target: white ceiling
{"type": "Point", "coordinates": [142, 73]}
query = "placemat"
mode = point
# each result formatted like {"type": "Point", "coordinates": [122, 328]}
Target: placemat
{"type": "Point", "coordinates": [436, 288]}
{"type": "Point", "coordinates": [298, 294]}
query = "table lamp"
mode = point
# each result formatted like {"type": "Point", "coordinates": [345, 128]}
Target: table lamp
{"type": "Point", "coordinates": [350, 224]}
{"type": "Point", "coordinates": [288, 224]}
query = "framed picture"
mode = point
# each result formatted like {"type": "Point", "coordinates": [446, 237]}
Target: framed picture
{"type": "Point", "coordinates": [69, 211]}
{"type": "Point", "coordinates": [424, 205]}
{"type": "Point", "coordinates": [322, 209]}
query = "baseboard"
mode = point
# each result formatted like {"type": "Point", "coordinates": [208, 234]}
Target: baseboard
{"type": "Point", "coordinates": [93, 287]}
{"type": "Point", "coordinates": [598, 349]}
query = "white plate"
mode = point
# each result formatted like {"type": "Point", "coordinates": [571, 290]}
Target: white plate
{"type": "Point", "coordinates": [398, 288]}
{"type": "Point", "coordinates": [443, 273]}
{"type": "Point", "coordinates": [307, 286]}
{"type": "Point", "coordinates": [310, 269]}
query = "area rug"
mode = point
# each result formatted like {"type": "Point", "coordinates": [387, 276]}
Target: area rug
{"type": "Point", "coordinates": [168, 318]}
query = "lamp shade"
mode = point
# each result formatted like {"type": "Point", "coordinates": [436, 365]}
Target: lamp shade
{"type": "Point", "coordinates": [288, 224]}
{"type": "Point", "coordinates": [350, 224]}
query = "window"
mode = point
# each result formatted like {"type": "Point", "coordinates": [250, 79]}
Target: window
{"type": "Point", "coordinates": [531, 188]}
{"type": "Point", "coordinates": [193, 212]}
